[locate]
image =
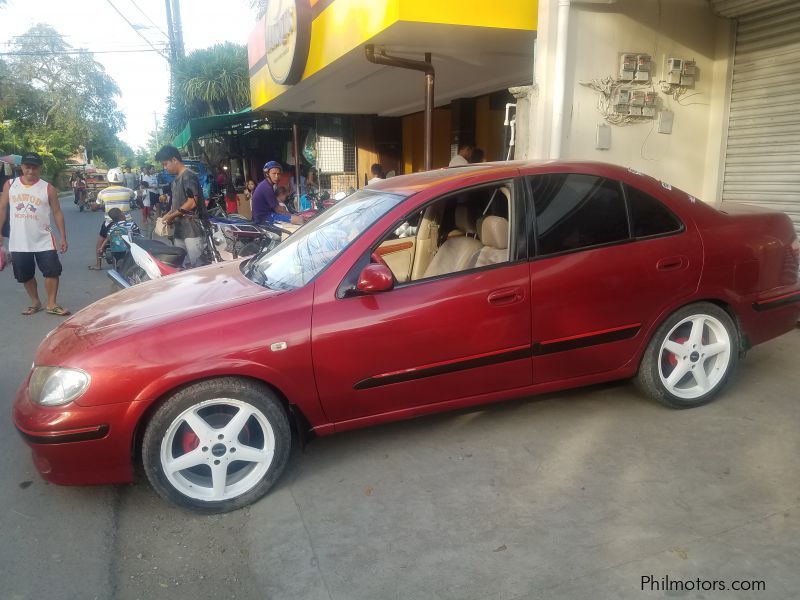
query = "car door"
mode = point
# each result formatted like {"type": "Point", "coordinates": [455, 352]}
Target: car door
{"type": "Point", "coordinates": [598, 282]}
{"type": "Point", "coordinates": [433, 340]}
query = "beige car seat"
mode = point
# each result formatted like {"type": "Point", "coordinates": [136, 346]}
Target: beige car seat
{"type": "Point", "coordinates": [494, 235]}
{"type": "Point", "coordinates": [455, 254]}
{"type": "Point", "coordinates": [464, 225]}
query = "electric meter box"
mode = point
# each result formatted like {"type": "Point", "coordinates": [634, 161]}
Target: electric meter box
{"type": "Point", "coordinates": [688, 73]}
{"type": "Point", "coordinates": [674, 70]}
{"type": "Point", "coordinates": [650, 104]}
{"type": "Point", "coordinates": [644, 65]}
{"type": "Point", "coordinates": [627, 66]}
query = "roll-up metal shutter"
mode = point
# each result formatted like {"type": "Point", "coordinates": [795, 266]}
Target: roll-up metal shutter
{"type": "Point", "coordinates": [762, 158]}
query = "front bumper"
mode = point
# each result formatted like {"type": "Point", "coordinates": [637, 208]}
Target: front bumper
{"type": "Point", "coordinates": [78, 445]}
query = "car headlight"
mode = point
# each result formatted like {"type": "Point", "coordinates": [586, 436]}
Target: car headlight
{"type": "Point", "coordinates": [54, 386]}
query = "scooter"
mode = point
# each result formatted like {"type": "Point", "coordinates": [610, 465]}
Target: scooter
{"type": "Point", "coordinates": [152, 259]}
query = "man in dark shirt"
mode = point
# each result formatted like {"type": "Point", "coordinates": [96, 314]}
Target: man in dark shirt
{"type": "Point", "coordinates": [266, 207]}
{"type": "Point", "coordinates": [187, 196]}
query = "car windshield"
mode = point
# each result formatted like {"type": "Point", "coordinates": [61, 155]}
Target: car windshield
{"type": "Point", "coordinates": [298, 259]}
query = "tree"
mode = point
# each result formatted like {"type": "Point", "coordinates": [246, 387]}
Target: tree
{"type": "Point", "coordinates": [208, 82]}
{"type": "Point", "coordinates": [215, 76]}
{"type": "Point", "coordinates": [54, 100]}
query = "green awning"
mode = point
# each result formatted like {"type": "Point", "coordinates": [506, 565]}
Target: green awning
{"type": "Point", "coordinates": [229, 123]}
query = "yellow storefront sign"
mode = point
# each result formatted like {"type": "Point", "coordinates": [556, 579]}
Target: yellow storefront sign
{"type": "Point", "coordinates": [339, 26]}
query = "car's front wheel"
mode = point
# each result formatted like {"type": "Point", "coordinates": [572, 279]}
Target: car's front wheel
{"type": "Point", "coordinates": [690, 357]}
{"type": "Point", "coordinates": [217, 445]}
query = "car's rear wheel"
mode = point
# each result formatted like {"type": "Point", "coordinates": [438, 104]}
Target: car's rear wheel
{"type": "Point", "coordinates": [690, 357]}
{"type": "Point", "coordinates": [217, 445]}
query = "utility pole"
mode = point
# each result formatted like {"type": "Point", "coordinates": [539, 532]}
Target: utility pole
{"type": "Point", "coordinates": [171, 34]}
{"type": "Point", "coordinates": [176, 15]}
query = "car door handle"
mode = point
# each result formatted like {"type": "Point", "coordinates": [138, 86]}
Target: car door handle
{"type": "Point", "coordinates": [505, 296]}
{"type": "Point", "coordinates": [672, 263]}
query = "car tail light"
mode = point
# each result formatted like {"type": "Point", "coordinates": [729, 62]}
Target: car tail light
{"type": "Point", "coordinates": [791, 263]}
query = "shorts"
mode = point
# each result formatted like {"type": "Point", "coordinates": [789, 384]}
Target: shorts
{"type": "Point", "coordinates": [24, 267]}
{"type": "Point", "coordinates": [104, 229]}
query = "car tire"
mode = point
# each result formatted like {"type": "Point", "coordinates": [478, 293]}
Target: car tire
{"type": "Point", "coordinates": [201, 452]}
{"type": "Point", "coordinates": [690, 357]}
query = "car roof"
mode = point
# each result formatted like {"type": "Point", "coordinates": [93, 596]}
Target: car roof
{"type": "Point", "coordinates": [447, 177]}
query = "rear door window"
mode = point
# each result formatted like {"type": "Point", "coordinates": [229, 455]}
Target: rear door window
{"type": "Point", "coordinates": [575, 211]}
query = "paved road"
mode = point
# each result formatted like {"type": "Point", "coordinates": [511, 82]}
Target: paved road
{"type": "Point", "coordinates": [570, 495]}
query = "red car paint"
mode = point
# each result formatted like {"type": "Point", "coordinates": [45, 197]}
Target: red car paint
{"type": "Point", "coordinates": [534, 325]}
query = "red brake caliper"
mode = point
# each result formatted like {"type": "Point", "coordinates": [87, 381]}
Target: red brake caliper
{"type": "Point", "coordinates": [671, 358]}
{"type": "Point", "coordinates": [190, 441]}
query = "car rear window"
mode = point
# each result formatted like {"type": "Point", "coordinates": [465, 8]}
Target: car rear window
{"type": "Point", "coordinates": [649, 216]}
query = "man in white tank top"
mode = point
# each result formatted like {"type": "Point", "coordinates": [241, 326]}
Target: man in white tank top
{"type": "Point", "coordinates": [33, 201]}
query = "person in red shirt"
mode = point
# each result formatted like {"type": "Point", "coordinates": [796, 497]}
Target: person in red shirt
{"type": "Point", "coordinates": [231, 199]}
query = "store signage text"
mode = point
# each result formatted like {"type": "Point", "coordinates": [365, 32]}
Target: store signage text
{"type": "Point", "coordinates": [288, 36]}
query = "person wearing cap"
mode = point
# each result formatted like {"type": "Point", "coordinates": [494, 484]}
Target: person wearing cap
{"type": "Point", "coordinates": [187, 202]}
{"type": "Point", "coordinates": [266, 207]}
{"type": "Point", "coordinates": [33, 202]}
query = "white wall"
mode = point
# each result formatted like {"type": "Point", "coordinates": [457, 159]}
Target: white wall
{"type": "Point", "coordinates": [689, 157]}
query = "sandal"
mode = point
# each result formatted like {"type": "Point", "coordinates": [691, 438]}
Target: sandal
{"type": "Point", "coordinates": [58, 311]}
{"type": "Point", "coordinates": [32, 310]}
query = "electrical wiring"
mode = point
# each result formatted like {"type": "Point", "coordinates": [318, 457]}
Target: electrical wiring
{"type": "Point", "coordinates": [139, 33]}
{"type": "Point", "coordinates": [605, 89]}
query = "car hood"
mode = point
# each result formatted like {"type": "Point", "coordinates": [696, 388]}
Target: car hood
{"type": "Point", "coordinates": [190, 294]}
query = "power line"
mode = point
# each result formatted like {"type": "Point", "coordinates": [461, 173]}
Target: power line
{"type": "Point", "coordinates": [111, 4]}
{"type": "Point", "coordinates": [149, 19]}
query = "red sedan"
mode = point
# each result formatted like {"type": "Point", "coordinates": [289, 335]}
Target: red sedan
{"type": "Point", "coordinates": [414, 295]}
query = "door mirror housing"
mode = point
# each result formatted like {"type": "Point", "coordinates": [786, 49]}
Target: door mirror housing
{"type": "Point", "coordinates": [375, 278]}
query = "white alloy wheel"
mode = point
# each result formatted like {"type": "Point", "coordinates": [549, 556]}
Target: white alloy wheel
{"type": "Point", "coordinates": [217, 445]}
{"type": "Point", "coordinates": [690, 357]}
{"type": "Point", "coordinates": [207, 459]}
{"type": "Point", "coordinates": [694, 356]}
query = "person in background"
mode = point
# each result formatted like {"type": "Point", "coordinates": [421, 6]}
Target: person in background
{"type": "Point", "coordinates": [265, 203]}
{"type": "Point", "coordinates": [144, 198]}
{"type": "Point", "coordinates": [153, 187]}
{"type": "Point", "coordinates": [478, 156]}
{"type": "Point", "coordinates": [377, 173]}
{"type": "Point", "coordinates": [114, 228]}
{"type": "Point", "coordinates": [312, 181]}
{"type": "Point", "coordinates": [231, 199]}
{"type": "Point", "coordinates": [131, 180]}
{"type": "Point", "coordinates": [32, 202]}
{"type": "Point", "coordinates": [464, 154]}
{"type": "Point", "coordinates": [110, 198]}
{"type": "Point", "coordinates": [187, 198]}
{"type": "Point", "coordinates": [248, 192]}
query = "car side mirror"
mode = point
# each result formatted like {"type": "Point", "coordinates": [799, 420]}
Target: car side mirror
{"type": "Point", "coordinates": [375, 278]}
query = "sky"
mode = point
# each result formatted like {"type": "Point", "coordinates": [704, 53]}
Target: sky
{"type": "Point", "coordinates": [143, 77]}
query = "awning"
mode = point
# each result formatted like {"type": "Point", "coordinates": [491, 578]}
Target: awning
{"type": "Point", "coordinates": [477, 48]}
{"type": "Point", "coordinates": [12, 159]}
{"type": "Point", "coordinates": [235, 123]}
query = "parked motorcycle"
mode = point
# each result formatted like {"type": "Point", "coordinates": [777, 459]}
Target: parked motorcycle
{"type": "Point", "coordinates": [230, 239]}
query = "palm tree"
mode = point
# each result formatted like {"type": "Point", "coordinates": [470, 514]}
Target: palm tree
{"type": "Point", "coordinates": [216, 77]}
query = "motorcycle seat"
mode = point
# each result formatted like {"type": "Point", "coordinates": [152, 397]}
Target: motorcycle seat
{"type": "Point", "coordinates": [157, 247]}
